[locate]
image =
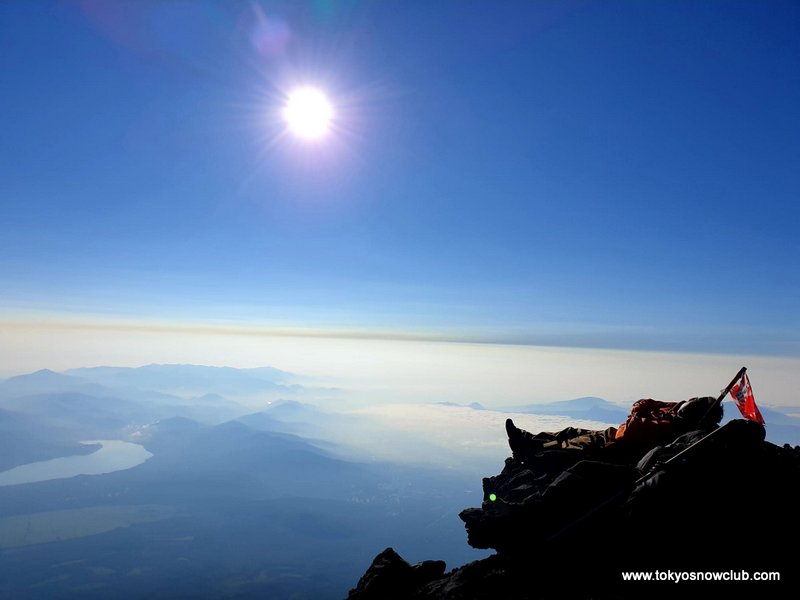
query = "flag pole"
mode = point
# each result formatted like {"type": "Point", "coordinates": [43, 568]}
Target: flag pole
{"type": "Point", "coordinates": [725, 392]}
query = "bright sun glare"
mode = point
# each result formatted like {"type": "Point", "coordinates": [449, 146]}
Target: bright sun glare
{"type": "Point", "coordinates": [308, 113]}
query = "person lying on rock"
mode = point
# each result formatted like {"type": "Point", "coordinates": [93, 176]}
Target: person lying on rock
{"type": "Point", "coordinates": [554, 477]}
{"type": "Point", "coordinates": [650, 423]}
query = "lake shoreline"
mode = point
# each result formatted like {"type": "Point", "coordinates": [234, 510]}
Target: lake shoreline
{"type": "Point", "coordinates": [108, 457]}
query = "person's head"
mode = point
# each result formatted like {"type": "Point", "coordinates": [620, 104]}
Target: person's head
{"type": "Point", "coordinates": [701, 412]}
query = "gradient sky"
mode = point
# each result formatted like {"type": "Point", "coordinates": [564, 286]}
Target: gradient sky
{"type": "Point", "coordinates": [602, 174]}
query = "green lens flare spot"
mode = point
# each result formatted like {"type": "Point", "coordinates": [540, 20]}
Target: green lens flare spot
{"type": "Point", "coordinates": [492, 497]}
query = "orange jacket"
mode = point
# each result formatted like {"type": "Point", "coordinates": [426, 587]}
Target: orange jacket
{"type": "Point", "coordinates": [651, 422]}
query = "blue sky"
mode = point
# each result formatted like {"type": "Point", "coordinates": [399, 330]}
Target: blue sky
{"type": "Point", "coordinates": [604, 174]}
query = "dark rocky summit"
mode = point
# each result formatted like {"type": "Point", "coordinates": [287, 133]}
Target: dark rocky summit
{"type": "Point", "coordinates": [572, 511]}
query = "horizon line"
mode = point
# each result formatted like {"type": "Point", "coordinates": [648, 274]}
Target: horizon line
{"type": "Point", "coordinates": [446, 336]}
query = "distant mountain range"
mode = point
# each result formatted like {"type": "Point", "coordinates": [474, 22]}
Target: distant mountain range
{"type": "Point", "coordinates": [46, 380]}
{"type": "Point", "coordinates": [588, 407]}
{"type": "Point", "coordinates": [193, 379]}
{"type": "Point", "coordinates": [60, 409]}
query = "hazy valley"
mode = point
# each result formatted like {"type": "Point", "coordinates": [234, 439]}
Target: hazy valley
{"type": "Point", "coordinates": [291, 500]}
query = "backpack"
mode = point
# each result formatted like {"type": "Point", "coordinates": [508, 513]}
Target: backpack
{"type": "Point", "coordinates": [651, 423]}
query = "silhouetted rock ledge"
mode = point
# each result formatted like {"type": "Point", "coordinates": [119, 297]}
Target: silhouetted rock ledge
{"type": "Point", "coordinates": [567, 522]}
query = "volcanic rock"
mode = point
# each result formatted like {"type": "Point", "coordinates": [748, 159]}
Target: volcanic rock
{"type": "Point", "coordinates": [570, 524]}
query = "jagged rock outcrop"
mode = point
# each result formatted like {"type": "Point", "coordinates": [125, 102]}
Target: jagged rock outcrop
{"type": "Point", "coordinates": [566, 523]}
{"type": "Point", "coordinates": [392, 578]}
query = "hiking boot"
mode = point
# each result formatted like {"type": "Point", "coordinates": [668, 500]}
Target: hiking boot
{"type": "Point", "coordinates": [522, 443]}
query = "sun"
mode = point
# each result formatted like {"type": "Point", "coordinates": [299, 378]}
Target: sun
{"type": "Point", "coordinates": [308, 113]}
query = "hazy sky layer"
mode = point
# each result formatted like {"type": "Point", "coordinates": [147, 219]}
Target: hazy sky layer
{"type": "Point", "coordinates": [373, 371]}
{"type": "Point", "coordinates": [597, 174]}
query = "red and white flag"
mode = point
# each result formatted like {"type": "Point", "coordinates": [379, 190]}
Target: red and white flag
{"type": "Point", "coordinates": [743, 394]}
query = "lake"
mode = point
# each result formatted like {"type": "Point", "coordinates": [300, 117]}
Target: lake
{"type": "Point", "coordinates": [114, 455]}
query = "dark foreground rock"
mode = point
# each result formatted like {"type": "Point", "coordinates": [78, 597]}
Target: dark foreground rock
{"type": "Point", "coordinates": [392, 578]}
{"type": "Point", "coordinates": [569, 524]}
